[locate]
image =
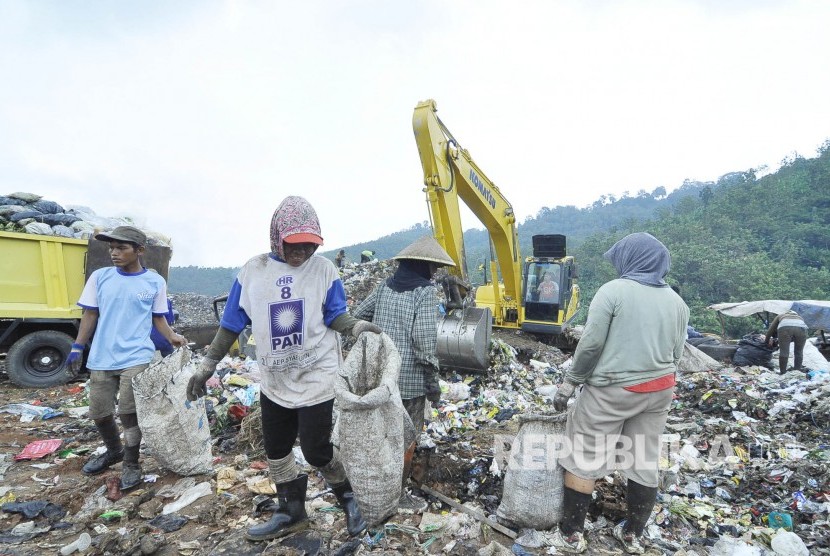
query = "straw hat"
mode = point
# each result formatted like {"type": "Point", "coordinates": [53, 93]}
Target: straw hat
{"type": "Point", "coordinates": [426, 249]}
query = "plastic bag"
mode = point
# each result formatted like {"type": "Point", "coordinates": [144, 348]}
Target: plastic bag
{"type": "Point", "coordinates": [752, 351]}
{"type": "Point", "coordinates": [175, 430]}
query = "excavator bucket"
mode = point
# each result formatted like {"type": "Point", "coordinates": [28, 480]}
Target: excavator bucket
{"type": "Point", "coordinates": [464, 339]}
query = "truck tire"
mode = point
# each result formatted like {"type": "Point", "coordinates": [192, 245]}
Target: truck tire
{"type": "Point", "coordinates": [37, 359]}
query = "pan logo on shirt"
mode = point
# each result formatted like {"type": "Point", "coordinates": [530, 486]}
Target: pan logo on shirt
{"type": "Point", "coordinates": [286, 324]}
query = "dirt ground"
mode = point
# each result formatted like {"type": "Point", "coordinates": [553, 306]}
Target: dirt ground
{"type": "Point", "coordinates": [696, 508]}
{"type": "Point", "coordinates": [215, 523]}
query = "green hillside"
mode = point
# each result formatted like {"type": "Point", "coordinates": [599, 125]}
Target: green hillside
{"type": "Point", "coordinates": [740, 238]}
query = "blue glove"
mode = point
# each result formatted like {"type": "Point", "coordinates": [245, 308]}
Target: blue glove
{"type": "Point", "coordinates": [75, 358]}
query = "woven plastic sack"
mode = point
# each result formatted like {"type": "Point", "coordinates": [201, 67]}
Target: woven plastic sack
{"type": "Point", "coordinates": [534, 483]}
{"type": "Point", "coordinates": [174, 429]}
{"type": "Point", "coordinates": [370, 426]}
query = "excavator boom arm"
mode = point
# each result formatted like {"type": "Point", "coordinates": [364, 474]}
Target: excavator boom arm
{"type": "Point", "coordinates": [450, 174]}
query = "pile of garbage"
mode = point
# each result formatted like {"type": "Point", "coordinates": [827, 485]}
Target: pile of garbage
{"type": "Point", "coordinates": [745, 467]}
{"type": "Point", "coordinates": [30, 213]}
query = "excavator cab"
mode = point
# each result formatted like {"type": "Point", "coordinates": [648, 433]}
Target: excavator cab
{"type": "Point", "coordinates": [550, 296]}
{"type": "Point", "coordinates": [542, 289]}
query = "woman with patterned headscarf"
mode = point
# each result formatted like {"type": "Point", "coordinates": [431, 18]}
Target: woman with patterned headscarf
{"type": "Point", "coordinates": [295, 304]}
{"type": "Point", "coordinates": [625, 361]}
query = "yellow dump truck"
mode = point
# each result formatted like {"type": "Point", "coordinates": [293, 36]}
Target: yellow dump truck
{"type": "Point", "coordinates": [41, 279]}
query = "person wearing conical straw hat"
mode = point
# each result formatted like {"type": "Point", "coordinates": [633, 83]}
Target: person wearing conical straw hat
{"type": "Point", "coordinates": [405, 307]}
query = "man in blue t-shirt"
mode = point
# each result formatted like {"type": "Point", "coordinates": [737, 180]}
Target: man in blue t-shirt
{"type": "Point", "coordinates": [121, 304]}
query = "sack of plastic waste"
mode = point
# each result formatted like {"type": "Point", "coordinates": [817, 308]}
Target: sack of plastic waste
{"type": "Point", "coordinates": [370, 427]}
{"type": "Point", "coordinates": [175, 430]}
{"type": "Point", "coordinates": [534, 481]}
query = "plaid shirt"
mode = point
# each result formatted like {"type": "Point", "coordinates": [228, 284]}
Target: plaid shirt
{"type": "Point", "coordinates": [410, 318]}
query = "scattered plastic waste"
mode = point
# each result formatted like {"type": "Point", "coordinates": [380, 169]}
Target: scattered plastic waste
{"type": "Point", "coordinates": [187, 497]}
{"type": "Point", "coordinates": [81, 544]}
{"type": "Point", "coordinates": [168, 522]}
{"type": "Point", "coordinates": [39, 449]}
{"type": "Point", "coordinates": [780, 520]}
{"type": "Point", "coordinates": [786, 543]}
{"type": "Point", "coordinates": [29, 412]}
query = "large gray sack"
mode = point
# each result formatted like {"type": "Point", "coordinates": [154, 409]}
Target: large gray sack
{"type": "Point", "coordinates": [534, 483]}
{"type": "Point", "coordinates": [175, 430]}
{"type": "Point", "coordinates": [369, 432]}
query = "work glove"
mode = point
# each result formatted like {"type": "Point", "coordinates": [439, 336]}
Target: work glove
{"type": "Point", "coordinates": [563, 394]}
{"type": "Point", "coordinates": [432, 389]}
{"type": "Point", "coordinates": [362, 326]}
{"type": "Point", "coordinates": [75, 358]}
{"type": "Point", "coordinates": [196, 385]}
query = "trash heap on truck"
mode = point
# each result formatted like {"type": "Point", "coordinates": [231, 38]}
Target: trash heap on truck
{"type": "Point", "coordinates": [45, 259]}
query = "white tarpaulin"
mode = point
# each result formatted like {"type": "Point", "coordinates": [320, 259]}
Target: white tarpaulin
{"type": "Point", "coordinates": [815, 313]}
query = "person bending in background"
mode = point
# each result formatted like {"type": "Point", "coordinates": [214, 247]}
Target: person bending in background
{"type": "Point", "coordinates": [296, 304]}
{"type": "Point", "coordinates": [790, 328]}
{"type": "Point", "coordinates": [626, 361]}
{"type": "Point", "coordinates": [121, 304]}
{"type": "Point", "coordinates": [405, 306]}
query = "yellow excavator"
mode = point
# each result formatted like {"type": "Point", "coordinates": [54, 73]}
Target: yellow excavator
{"type": "Point", "coordinates": [537, 295]}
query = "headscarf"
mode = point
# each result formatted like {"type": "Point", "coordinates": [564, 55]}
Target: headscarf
{"type": "Point", "coordinates": [640, 257]}
{"type": "Point", "coordinates": [411, 274]}
{"type": "Point", "coordinates": [295, 215]}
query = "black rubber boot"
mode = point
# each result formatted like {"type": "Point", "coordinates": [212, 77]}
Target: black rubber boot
{"type": "Point", "coordinates": [574, 508]}
{"type": "Point", "coordinates": [112, 440]}
{"type": "Point", "coordinates": [102, 462]}
{"type": "Point", "coordinates": [355, 523]}
{"type": "Point", "coordinates": [640, 500]}
{"type": "Point", "coordinates": [130, 476]}
{"type": "Point", "coordinates": [289, 517]}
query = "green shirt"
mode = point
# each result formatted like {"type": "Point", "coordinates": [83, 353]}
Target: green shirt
{"type": "Point", "coordinates": [634, 333]}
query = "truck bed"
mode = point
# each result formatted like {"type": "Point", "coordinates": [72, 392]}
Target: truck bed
{"type": "Point", "coordinates": [41, 276]}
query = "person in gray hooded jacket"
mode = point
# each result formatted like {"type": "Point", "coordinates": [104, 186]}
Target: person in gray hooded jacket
{"type": "Point", "coordinates": [626, 362]}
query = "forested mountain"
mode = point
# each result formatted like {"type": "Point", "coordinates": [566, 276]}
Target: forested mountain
{"type": "Point", "coordinates": [740, 238]}
{"type": "Point", "coordinates": [576, 224]}
{"type": "Point", "coordinates": [746, 239]}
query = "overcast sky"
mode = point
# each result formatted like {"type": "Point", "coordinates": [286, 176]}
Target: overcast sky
{"type": "Point", "coordinates": [197, 118]}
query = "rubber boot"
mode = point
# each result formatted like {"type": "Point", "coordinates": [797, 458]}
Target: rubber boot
{"type": "Point", "coordinates": [355, 523]}
{"type": "Point", "coordinates": [289, 517]}
{"type": "Point", "coordinates": [112, 440]}
{"type": "Point", "coordinates": [640, 501]}
{"type": "Point", "coordinates": [574, 508]}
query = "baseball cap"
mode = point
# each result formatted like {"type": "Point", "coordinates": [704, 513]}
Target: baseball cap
{"type": "Point", "coordinates": [303, 238]}
{"type": "Point", "coordinates": [129, 234]}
